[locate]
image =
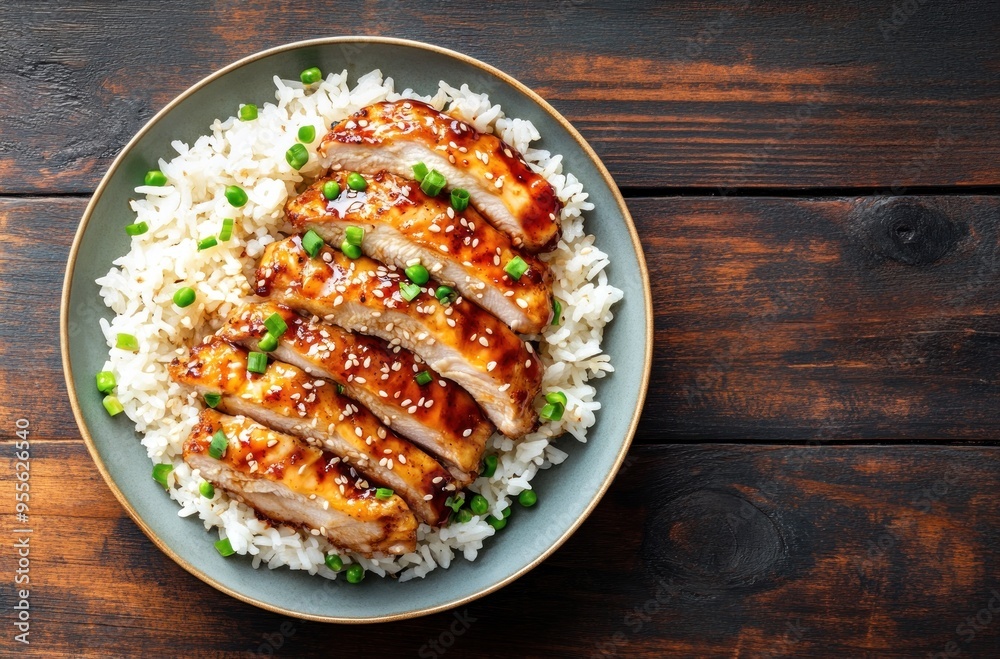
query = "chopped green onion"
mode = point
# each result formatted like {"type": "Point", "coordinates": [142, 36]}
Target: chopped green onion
{"type": "Point", "coordinates": [459, 199]}
{"type": "Point", "coordinates": [113, 405]}
{"type": "Point", "coordinates": [340, 389]}
{"type": "Point", "coordinates": [383, 493]}
{"type": "Point", "coordinates": [248, 112]}
{"type": "Point", "coordinates": [297, 156]}
{"type": "Point", "coordinates": [155, 177]}
{"type": "Point", "coordinates": [334, 562]}
{"type": "Point", "coordinates": [127, 342]}
{"type": "Point", "coordinates": [455, 502]}
{"type": "Point", "coordinates": [408, 291]}
{"type": "Point", "coordinates": [556, 397]}
{"type": "Point", "coordinates": [311, 75]}
{"type": "Point", "coordinates": [444, 294]}
{"type": "Point", "coordinates": [423, 377]}
{"type": "Point", "coordinates": [205, 243]}
{"type": "Point", "coordinates": [462, 516]}
{"type": "Point", "coordinates": [515, 268]}
{"type": "Point", "coordinates": [136, 229]}
{"type": "Point", "coordinates": [556, 311]}
{"type": "Point", "coordinates": [184, 297]}
{"type": "Point", "coordinates": [217, 448]}
{"type": "Point", "coordinates": [307, 134]}
{"type": "Point", "coordinates": [212, 399]}
{"type": "Point", "coordinates": [206, 489]}
{"type": "Point", "coordinates": [479, 505]}
{"type": "Point", "coordinates": [419, 171]}
{"type": "Point", "coordinates": [433, 183]}
{"type": "Point", "coordinates": [257, 362]}
{"type": "Point", "coordinates": [489, 466]}
{"type": "Point", "coordinates": [527, 498]}
{"type": "Point", "coordinates": [160, 473]}
{"type": "Point", "coordinates": [268, 342]}
{"type": "Point", "coordinates": [350, 251]}
{"type": "Point", "coordinates": [418, 274]}
{"type": "Point", "coordinates": [552, 412]}
{"type": "Point", "coordinates": [311, 242]}
{"type": "Point", "coordinates": [356, 181]}
{"type": "Point", "coordinates": [507, 511]}
{"type": "Point", "coordinates": [355, 573]}
{"type": "Point", "coordinates": [235, 195]}
{"type": "Point", "coordinates": [496, 522]}
{"type": "Point", "coordinates": [225, 547]}
{"type": "Point", "coordinates": [106, 382]}
{"type": "Point", "coordinates": [354, 235]}
{"type": "Point", "coordinates": [331, 189]}
{"type": "Point", "coordinates": [276, 325]}
{"type": "Point", "coordinates": [227, 229]}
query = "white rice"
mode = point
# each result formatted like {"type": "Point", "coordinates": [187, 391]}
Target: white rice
{"type": "Point", "coordinates": [251, 154]}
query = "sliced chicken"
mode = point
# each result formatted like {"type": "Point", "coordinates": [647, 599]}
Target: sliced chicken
{"type": "Point", "coordinates": [289, 481]}
{"type": "Point", "coordinates": [395, 135]}
{"type": "Point", "coordinates": [289, 400]}
{"type": "Point", "coordinates": [458, 339]}
{"type": "Point", "coordinates": [403, 225]}
{"type": "Point", "coordinates": [434, 415]}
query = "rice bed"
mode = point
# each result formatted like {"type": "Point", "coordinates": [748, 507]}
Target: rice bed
{"type": "Point", "coordinates": [250, 154]}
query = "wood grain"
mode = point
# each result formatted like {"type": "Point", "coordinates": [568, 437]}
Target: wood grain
{"type": "Point", "coordinates": [720, 550]}
{"type": "Point", "coordinates": [775, 318]}
{"type": "Point", "coordinates": [720, 96]}
{"type": "Point", "coordinates": [863, 318]}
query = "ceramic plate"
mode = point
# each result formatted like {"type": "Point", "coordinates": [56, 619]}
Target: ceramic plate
{"type": "Point", "coordinates": [568, 492]}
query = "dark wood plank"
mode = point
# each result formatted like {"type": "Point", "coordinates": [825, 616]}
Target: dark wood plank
{"type": "Point", "coordinates": [716, 95]}
{"type": "Point", "coordinates": [696, 551]}
{"type": "Point", "coordinates": [780, 318]}
{"type": "Point", "coordinates": [775, 318]}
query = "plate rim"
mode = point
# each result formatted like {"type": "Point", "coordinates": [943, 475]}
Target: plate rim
{"type": "Point", "coordinates": [92, 448]}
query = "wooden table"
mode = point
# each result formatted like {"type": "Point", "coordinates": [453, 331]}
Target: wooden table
{"type": "Point", "coordinates": [816, 185]}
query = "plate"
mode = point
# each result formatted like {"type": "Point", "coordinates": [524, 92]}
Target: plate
{"type": "Point", "coordinates": [569, 491]}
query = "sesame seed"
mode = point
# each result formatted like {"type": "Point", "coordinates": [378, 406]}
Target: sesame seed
{"type": "Point", "coordinates": [491, 366]}
{"type": "Point", "coordinates": [521, 303]}
{"type": "Point", "coordinates": [504, 387]}
{"type": "Point", "coordinates": [357, 431]}
{"type": "Point", "coordinates": [467, 432]}
{"type": "Point", "coordinates": [483, 342]}
{"type": "Point", "coordinates": [488, 176]}
{"type": "Point", "coordinates": [428, 497]}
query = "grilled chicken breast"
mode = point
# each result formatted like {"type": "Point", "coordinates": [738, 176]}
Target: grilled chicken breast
{"type": "Point", "coordinates": [458, 339]}
{"type": "Point", "coordinates": [395, 135]}
{"type": "Point", "coordinates": [288, 481]}
{"type": "Point", "coordinates": [289, 400]}
{"type": "Point", "coordinates": [383, 379]}
{"type": "Point", "coordinates": [403, 225]}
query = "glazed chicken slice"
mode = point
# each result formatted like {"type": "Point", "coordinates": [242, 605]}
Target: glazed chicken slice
{"type": "Point", "coordinates": [289, 400]}
{"type": "Point", "coordinates": [461, 250]}
{"type": "Point", "coordinates": [457, 339]}
{"type": "Point", "coordinates": [288, 481]}
{"type": "Point", "coordinates": [395, 135]}
{"type": "Point", "coordinates": [434, 415]}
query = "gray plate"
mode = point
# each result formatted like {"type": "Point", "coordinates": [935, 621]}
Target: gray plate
{"type": "Point", "coordinates": [567, 493]}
